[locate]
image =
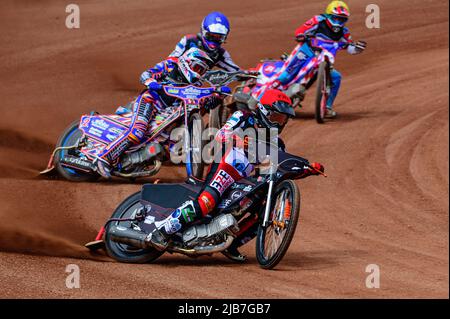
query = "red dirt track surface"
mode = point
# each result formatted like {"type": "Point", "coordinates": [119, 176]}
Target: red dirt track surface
{"type": "Point", "coordinates": [385, 201]}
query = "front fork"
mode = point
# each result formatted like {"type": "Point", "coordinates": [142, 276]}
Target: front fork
{"type": "Point", "coordinates": [268, 203]}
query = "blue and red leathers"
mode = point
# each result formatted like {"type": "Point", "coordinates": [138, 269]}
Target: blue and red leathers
{"type": "Point", "coordinates": [318, 27]}
{"type": "Point", "coordinates": [220, 56]}
{"type": "Point", "coordinates": [166, 70]}
{"type": "Point", "coordinates": [143, 109]}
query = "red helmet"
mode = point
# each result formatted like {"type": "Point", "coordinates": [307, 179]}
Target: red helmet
{"type": "Point", "coordinates": [274, 110]}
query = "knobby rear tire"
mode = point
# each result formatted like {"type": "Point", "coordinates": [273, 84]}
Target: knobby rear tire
{"type": "Point", "coordinates": [68, 138]}
{"type": "Point", "coordinates": [122, 252]}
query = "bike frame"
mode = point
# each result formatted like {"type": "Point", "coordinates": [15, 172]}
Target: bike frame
{"type": "Point", "coordinates": [327, 52]}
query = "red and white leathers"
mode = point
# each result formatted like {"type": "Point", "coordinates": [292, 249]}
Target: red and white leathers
{"type": "Point", "coordinates": [233, 166]}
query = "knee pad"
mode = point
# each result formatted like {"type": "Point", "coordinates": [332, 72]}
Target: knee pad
{"type": "Point", "coordinates": [136, 135]}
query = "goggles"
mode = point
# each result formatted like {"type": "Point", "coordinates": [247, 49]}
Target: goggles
{"type": "Point", "coordinates": [215, 37]}
{"type": "Point", "coordinates": [199, 67]}
{"type": "Point", "coordinates": [339, 19]}
{"type": "Point", "coordinates": [278, 119]}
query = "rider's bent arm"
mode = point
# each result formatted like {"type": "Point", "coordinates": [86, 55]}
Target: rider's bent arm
{"type": "Point", "coordinates": [226, 63]}
{"type": "Point", "coordinates": [157, 71]}
{"type": "Point", "coordinates": [351, 49]}
{"type": "Point", "coordinates": [182, 46]}
{"type": "Point", "coordinates": [237, 120]}
{"type": "Point", "coordinates": [309, 27]}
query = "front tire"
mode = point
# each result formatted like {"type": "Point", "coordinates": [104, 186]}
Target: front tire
{"type": "Point", "coordinates": [272, 241]}
{"type": "Point", "coordinates": [196, 128]}
{"type": "Point", "coordinates": [123, 252]}
{"type": "Point", "coordinates": [323, 89]}
{"type": "Point", "coordinates": [69, 137]}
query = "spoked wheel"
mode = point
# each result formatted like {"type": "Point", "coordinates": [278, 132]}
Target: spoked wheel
{"type": "Point", "coordinates": [196, 163]}
{"type": "Point", "coordinates": [273, 240]}
{"type": "Point", "coordinates": [323, 91]}
{"type": "Point", "coordinates": [122, 252]}
{"type": "Point", "coordinates": [69, 137]}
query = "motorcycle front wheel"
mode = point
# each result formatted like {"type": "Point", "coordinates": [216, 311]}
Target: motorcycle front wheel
{"type": "Point", "coordinates": [323, 91]}
{"type": "Point", "coordinates": [273, 240]}
{"type": "Point", "coordinates": [196, 163]}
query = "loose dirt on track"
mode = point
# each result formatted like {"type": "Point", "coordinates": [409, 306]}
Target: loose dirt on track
{"type": "Point", "coordinates": [385, 201]}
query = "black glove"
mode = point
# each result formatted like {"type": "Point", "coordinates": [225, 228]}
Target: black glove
{"type": "Point", "coordinates": [302, 38]}
{"type": "Point", "coordinates": [360, 45]}
{"type": "Point", "coordinates": [211, 102]}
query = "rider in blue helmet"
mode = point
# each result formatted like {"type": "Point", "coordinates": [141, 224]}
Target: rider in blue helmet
{"type": "Point", "coordinates": [214, 31]}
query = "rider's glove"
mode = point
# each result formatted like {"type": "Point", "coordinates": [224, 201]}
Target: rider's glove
{"type": "Point", "coordinates": [246, 73]}
{"type": "Point", "coordinates": [211, 102]}
{"type": "Point", "coordinates": [316, 168]}
{"type": "Point", "coordinates": [152, 85]}
{"type": "Point", "coordinates": [252, 72]}
{"type": "Point", "coordinates": [358, 46]}
{"type": "Point", "coordinates": [157, 76]}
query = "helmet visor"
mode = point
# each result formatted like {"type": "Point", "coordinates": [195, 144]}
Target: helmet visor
{"type": "Point", "coordinates": [199, 67]}
{"type": "Point", "coordinates": [278, 119]}
{"type": "Point", "coordinates": [339, 20]}
{"type": "Point", "coordinates": [215, 37]}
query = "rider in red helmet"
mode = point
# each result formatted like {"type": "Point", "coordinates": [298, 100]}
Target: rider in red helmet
{"type": "Point", "coordinates": [273, 112]}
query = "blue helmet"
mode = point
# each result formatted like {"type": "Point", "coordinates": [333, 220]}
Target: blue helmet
{"type": "Point", "coordinates": [215, 29]}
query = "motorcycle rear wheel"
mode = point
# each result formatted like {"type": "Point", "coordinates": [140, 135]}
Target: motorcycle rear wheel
{"type": "Point", "coordinates": [272, 241]}
{"type": "Point", "coordinates": [68, 138]}
{"type": "Point", "coordinates": [123, 252]}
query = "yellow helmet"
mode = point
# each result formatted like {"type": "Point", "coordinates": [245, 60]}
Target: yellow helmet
{"type": "Point", "coordinates": [338, 8]}
{"type": "Point", "coordinates": [337, 14]}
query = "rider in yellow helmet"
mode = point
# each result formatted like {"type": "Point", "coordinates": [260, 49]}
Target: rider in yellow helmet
{"type": "Point", "coordinates": [328, 26]}
{"type": "Point", "coordinates": [337, 13]}
{"type": "Point", "coordinates": [331, 26]}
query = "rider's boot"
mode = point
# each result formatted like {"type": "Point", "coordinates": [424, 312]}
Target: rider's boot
{"type": "Point", "coordinates": [330, 113]}
{"type": "Point", "coordinates": [158, 240]}
{"type": "Point", "coordinates": [315, 169]}
{"type": "Point", "coordinates": [103, 168]}
{"type": "Point", "coordinates": [234, 254]}
{"type": "Point", "coordinates": [176, 222]}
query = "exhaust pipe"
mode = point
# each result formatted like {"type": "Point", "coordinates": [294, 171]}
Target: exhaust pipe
{"type": "Point", "coordinates": [128, 236]}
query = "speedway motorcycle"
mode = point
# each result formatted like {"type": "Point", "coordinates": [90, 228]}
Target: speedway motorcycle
{"type": "Point", "coordinates": [75, 153]}
{"type": "Point", "coordinates": [272, 199]}
{"type": "Point", "coordinates": [317, 68]}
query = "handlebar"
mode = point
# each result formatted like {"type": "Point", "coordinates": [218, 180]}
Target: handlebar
{"type": "Point", "coordinates": [222, 78]}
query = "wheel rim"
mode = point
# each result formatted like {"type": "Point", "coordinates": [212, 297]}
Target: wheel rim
{"type": "Point", "coordinates": [278, 224]}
